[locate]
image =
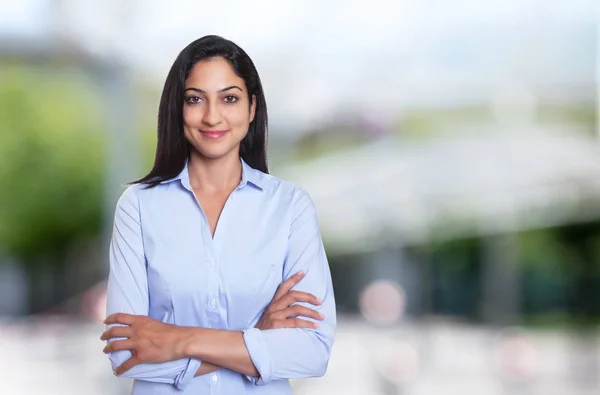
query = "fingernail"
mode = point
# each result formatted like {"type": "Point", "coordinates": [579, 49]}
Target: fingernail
{"type": "Point", "coordinates": [301, 273]}
{"type": "Point", "coordinates": [319, 301]}
{"type": "Point", "coordinates": [322, 316]}
{"type": "Point", "coordinates": [115, 372]}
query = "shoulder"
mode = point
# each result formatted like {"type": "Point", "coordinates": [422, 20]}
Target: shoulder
{"type": "Point", "coordinates": [130, 197]}
{"type": "Point", "coordinates": [141, 193]}
{"type": "Point", "coordinates": [274, 184]}
{"type": "Point", "coordinates": [293, 194]}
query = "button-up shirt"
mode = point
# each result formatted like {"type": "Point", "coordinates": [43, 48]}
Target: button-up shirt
{"type": "Point", "coordinates": [164, 263]}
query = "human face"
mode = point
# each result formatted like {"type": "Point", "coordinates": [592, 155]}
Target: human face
{"type": "Point", "coordinates": [216, 110]}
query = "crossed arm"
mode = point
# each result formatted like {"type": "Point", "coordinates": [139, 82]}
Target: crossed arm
{"type": "Point", "coordinates": [280, 346]}
{"type": "Point", "coordinates": [155, 342]}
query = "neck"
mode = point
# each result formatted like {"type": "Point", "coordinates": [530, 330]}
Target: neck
{"type": "Point", "coordinates": [214, 175]}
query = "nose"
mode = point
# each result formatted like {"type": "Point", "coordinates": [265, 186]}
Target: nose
{"type": "Point", "coordinates": [211, 115]}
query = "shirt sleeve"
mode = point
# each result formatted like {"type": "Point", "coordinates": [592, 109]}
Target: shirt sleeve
{"type": "Point", "coordinates": [293, 353]}
{"type": "Point", "coordinates": [128, 292]}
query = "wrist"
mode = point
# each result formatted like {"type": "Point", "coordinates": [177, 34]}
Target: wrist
{"type": "Point", "coordinates": [188, 342]}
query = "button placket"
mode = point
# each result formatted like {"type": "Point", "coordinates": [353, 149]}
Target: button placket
{"type": "Point", "coordinates": [213, 291]}
{"type": "Point", "coordinates": [212, 313]}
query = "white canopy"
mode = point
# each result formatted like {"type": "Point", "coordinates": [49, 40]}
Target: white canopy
{"type": "Point", "coordinates": [474, 184]}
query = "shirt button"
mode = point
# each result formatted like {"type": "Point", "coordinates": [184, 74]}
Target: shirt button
{"type": "Point", "coordinates": [212, 263]}
{"type": "Point", "coordinates": [215, 378]}
{"type": "Point", "coordinates": [213, 303]}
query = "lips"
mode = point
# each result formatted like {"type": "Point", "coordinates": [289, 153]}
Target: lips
{"type": "Point", "coordinates": [213, 134]}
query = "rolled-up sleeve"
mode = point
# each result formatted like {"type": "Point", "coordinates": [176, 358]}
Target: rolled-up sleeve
{"type": "Point", "coordinates": [128, 292]}
{"type": "Point", "coordinates": [293, 353]}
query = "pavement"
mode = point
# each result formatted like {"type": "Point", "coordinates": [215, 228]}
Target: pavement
{"type": "Point", "coordinates": [62, 356]}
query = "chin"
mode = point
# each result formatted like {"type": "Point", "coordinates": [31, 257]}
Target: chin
{"type": "Point", "coordinates": [216, 152]}
{"type": "Point", "coordinates": [215, 149]}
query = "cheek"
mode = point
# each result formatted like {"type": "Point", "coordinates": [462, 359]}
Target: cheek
{"type": "Point", "coordinates": [191, 116]}
{"type": "Point", "coordinates": [238, 118]}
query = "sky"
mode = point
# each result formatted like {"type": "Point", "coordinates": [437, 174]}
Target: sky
{"type": "Point", "coordinates": [316, 57]}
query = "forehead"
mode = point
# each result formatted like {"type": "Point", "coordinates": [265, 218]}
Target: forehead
{"type": "Point", "coordinates": [213, 74]}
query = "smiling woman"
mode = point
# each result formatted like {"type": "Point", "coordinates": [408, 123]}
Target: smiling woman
{"type": "Point", "coordinates": [218, 278]}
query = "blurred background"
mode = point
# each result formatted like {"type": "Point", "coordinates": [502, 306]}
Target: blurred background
{"type": "Point", "coordinates": [452, 150]}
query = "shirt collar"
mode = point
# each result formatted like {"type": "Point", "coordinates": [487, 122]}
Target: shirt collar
{"type": "Point", "coordinates": [252, 176]}
{"type": "Point", "coordinates": [249, 175]}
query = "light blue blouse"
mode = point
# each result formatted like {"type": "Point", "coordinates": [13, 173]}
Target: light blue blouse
{"type": "Point", "coordinates": [165, 264]}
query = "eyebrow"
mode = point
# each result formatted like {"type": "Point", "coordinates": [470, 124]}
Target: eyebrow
{"type": "Point", "coordinates": [219, 91]}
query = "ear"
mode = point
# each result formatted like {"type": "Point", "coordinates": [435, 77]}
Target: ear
{"type": "Point", "coordinates": [252, 108]}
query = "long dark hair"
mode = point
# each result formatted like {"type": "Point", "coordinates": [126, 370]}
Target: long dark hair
{"type": "Point", "coordinates": [172, 148]}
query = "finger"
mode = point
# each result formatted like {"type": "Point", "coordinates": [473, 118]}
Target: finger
{"type": "Point", "coordinates": [300, 323]}
{"type": "Point", "coordinates": [297, 310]}
{"type": "Point", "coordinates": [288, 284]}
{"type": "Point", "coordinates": [119, 345]}
{"type": "Point", "coordinates": [295, 296]}
{"type": "Point", "coordinates": [116, 331]}
{"type": "Point", "coordinates": [298, 296]}
{"type": "Point", "coordinates": [121, 318]}
{"type": "Point", "coordinates": [130, 363]}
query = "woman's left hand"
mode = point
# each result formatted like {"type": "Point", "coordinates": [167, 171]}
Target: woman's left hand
{"type": "Point", "coordinates": [149, 340]}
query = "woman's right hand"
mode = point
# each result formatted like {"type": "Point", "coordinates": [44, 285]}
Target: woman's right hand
{"type": "Point", "coordinates": [281, 313]}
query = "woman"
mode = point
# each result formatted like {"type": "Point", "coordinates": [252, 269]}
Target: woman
{"type": "Point", "coordinates": [207, 247]}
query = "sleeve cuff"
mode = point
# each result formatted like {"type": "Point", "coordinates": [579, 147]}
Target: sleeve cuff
{"type": "Point", "coordinates": [185, 378]}
{"type": "Point", "coordinates": [260, 356]}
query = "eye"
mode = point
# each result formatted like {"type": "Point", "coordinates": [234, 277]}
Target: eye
{"type": "Point", "coordinates": [193, 99]}
{"type": "Point", "coordinates": [230, 99]}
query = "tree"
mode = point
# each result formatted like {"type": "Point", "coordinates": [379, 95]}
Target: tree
{"type": "Point", "coordinates": [51, 165]}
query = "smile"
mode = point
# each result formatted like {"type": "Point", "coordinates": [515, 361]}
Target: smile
{"type": "Point", "coordinates": [213, 134]}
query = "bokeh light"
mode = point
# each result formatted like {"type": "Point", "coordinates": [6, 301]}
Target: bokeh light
{"type": "Point", "coordinates": [382, 302]}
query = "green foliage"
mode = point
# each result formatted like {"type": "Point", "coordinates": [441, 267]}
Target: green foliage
{"type": "Point", "coordinates": [148, 142]}
{"type": "Point", "coordinates": [51, 161]}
